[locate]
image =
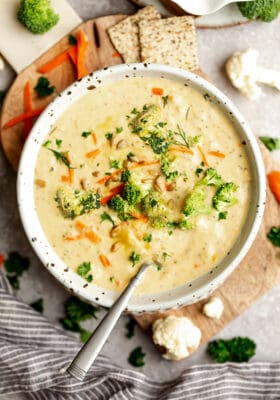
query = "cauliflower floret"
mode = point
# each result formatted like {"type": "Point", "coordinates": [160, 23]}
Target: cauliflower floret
{"type": "Point", "coordinates": [213, 308]}
{"type": "Point", "coordinates": [177, 335]}
{"type": "Point", "coordinates": [245, 74]}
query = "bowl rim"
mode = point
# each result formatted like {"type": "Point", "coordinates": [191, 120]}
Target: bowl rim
{"type": "Point", "coordinates": [193, 291]}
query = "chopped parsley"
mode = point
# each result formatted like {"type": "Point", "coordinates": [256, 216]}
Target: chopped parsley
{"type": "Point", "coordinates": [38, 305]}
{"type": "Point", "coordinates": [61, 156]}
{"type": "Point", "coordinates": [84, 269]}
{"type": "Point", "coordinates": [115, 164]}
{"type": "Point", "coordinates": [58, 142]}
{"type": "Point", "coordinates": [15, 265]}
{"type": "Point", "coordinates": [158, 143]}
{"type": "Point", "coordinates": [125, 176]}
{"type": "Point", "coordinates": [165, 100]}
{"type": "Point", "coordinates": [72, 40]}
{"type": "Point", "coordinates": [107, 217]}
{"type": "Point", "coordinates": [43, 87]}
{"type": "Point", "coordinates": [134, 258]}
{"type": "Point", "coordinates": [270, 143]}
{"type": "Point", "coordinates": [119, 129]}
{"type": "Point", "coordinates": [112, 279]}
{"type": "Point", "coordinates": [85, 134]}
{"type": "Point", "coordinates": [222, 215]}
{"type": "Point", "coordinates": [136, 357]}
{"type": "Point", "coordinates": [130, 328]}
{"type": "Point", "coordinates": [109, 136]}
{"type": "Point", "coordinates": [198, 171]}
{"type": "Point", "coordinates": [47, 143]}
{"type": "Point", "coordinates": [184, 140]}
{"type": "Point", "coordinates": [77, 311]}
{"type": "Point", "coordinates": [129, 155]}
{"type": "Point", "coordinates": [274, 235]}
{"type": "Point", "coordinates": [147, 237]}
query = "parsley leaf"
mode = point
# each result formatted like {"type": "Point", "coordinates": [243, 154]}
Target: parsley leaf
{"type": "Point", "coordinates": [147, 238]}
{"type": "Point", "coordinates": [136, 357]}
{"type": "Point", "coordinates": [130, 328]}
{"type": "Point", "coordinates": [270, 143]}
{"type": "Point", "coordinates": [86, 134]}
{"type": "Point", "coordinates": [274, 235]}
{"type": "Point", "coordinates": [115, 164]}
{"type": "Point", "coordinates": [58, 142]}
{"type": "Point", "coordinates": [38, 305]}
{"type": "Point", "coordinates": [61, 156]}
{"type": "Point", "coordinates": [109, 136]}
{"type": "Point", "coordinates": [107, 217]}
{"type": "Point", "coordinates": [15, 265]}
{"type": "Point", "coordinates": [72, 40]}
{"type": "Point", "coordinates": [84, 268]}
{"type": "Point", "coordinates": [222, 215]}
{"type": "Point", "coordinates": [165, 100]}
{"type": "Point", "coordinates": [134, 258]}
{"type": "Point", "coordinates": [237, 349]}
{"type": "Point", "coordinates": [43, 88]}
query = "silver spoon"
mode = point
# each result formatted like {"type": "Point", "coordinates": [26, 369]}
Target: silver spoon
{"type": "Point", "coordinates": [90, 350]}
{"type": "Point", "coordinates": [203, 7]}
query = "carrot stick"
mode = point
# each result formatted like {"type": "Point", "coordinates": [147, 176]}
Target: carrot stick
{"type": "Point", "coordinates": [27, 126]}
{"type": "Point", "coordinates": [92, 154]}
{"type": "Point", "coordinates": [117, 189]}
{"type": "Point", "coordinates": [204, 159]}
{"type": "Point", "coordinates": [216, 154]}
{"type": "Point", "coordinates": [274, 183]}
{"type": "Point", "coordinates": [94, 138]}
{"type": "Point", "coordinates": [82, 45]}
{"type": "Point", "coordinates": [64, 178]}
{"type": "Point", "coordinates": [72, 53]}
{"type": "Point", "coordinates": [157, 91]}
{"type": "Point", "coordinates": [23, 117]}
{"type": "Point", "coordinates": [70, 170]}
{"type": "Point", "coordinates": [54, 62]}
{"type": "Point", "coordinates": [181, 149]}
{"type": "Point", "coordinates": [104, 200]}
{"type": "Point", "coordinates": [86, 232]}
{"type": "Point", "coordinates": [108, 177]}
{"type": "Point", "coordinates": [70, 238]}
{"type": "Point", "coordinates": [104, 261]}
{"type": "Point", "coordinates": [116, 55]}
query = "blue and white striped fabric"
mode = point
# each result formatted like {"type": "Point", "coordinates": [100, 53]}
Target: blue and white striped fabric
{"type": "Point", "coordinates": [34, 355]}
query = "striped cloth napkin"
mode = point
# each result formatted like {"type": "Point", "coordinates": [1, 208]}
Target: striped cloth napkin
{"type": "Point", "coordinates": [34, 356]}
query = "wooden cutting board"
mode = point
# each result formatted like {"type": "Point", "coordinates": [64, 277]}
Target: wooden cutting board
{"type": "Point", "coordinates": [259, 271]}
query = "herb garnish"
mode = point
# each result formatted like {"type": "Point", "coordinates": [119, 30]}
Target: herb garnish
{"type": "Point", "coordinates": [126, 174]}
{"type": "Point", "coordinates": [109, 136]}
{"type": "Point", "coordinates": [270, 143]}
{"type": "Point", "coordinates": [198, 171]}
{"type": "Point", "coordinates": [77, 311]}
{"type": "Point", "coordinates": [85, 134]}
{"type": "Point", "coordinates": [222, 215]}
{"type": "Point", "coordinates": [38, 305]}
{"type": "Point", "coordinates": [129, 155]}
{"type": "Point", "coordinates": [238, 349]}
{"type": "Point", "coordinates": [130, 328]}
{"type": "Point", "coordinates": [134, 258]}
{"type": "Point", "coordinates": [115, 164]}
{"type": "Point", "coordinates": [158, 143]}
{"type": "Point", "coordinates": [47, 143]}
{"type": "Point", "coordinates": [61, 156]}
{"type": "Point", "coordinates": [107, 217]}
{"type": "Point", "coordinates": [84, 269]}
{"type": "Point", "coordinates": [15, 265]}
{"type": "Point", "coordinates": [119, 129]}
{"type": "Point", "coordinates": [165, 100]}
{"type": "Point", "coordinates": [43, 88]}
{"type": "Point", "coordinates": [72, 40]}
{"type": "Point", "coordinates": [136, 357]}
{"type": "Point", "coordinates": [58, 142]}
{"type": "Point", "coordinates": [147, 237]}
{"type": "Point", "coordinates": [274, 235]}
{"type": "Point", "coordinates": [184, 140]}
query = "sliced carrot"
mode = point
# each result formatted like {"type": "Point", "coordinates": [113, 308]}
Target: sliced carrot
{"type": "Point", "coordinates": [108, 177]}
{"type": "Point", "coordinates": [72, 53]}
{"type": "Point", "coordinates": [64, 178]}
{"type": "Point", "coordinates": [27, 126]}
{"type": "Point", "coordinates": [104, 200]}
{"type": "Point", "coordinates": [117, 189]}
{"type": "Point", "coordinates": [71, 238]}
{"type": "Point", "coordinates": [144, 164]}
{"type": "Point", "coordinates": [157, 91]}
{"type": "Point", "coordinates": [204, 159]}
{"type": "Point", "coordinates": [82, 45]}
{"type": "Point", "coordinates": [92, 154]}
{"type": "Point", "coordinates": [92, 236]}
{"type": "Point", "coordinates": [116, 55]}
{"type": "Point", "coordinates": [274, 183]}
{"type": "Point", "coordinates": [80, 226]}
{"type": "Point", "coordinates": [23, 117]}
{"type": "Point", "coordinates": [104, 261]}
{"type": "Point", "coordinates": [181, 149]}
{"type": "Point", "coordinates": [71, 175]}
{"type": "Point", "coordinates": [94, 138]}
{"type": "Point", "coordinates": [216, 154]}
{"type": "Point", "coordinates": [54, 62]}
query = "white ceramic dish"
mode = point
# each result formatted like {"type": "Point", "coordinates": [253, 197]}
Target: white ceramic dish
{"type": "Point", "coordinates": [187, 294]}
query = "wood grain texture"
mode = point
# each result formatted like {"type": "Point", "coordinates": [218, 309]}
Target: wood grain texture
{"type": "Point", "coordinates": [254, 277]}
{"type": "Point", "coordinates": [100, 54]}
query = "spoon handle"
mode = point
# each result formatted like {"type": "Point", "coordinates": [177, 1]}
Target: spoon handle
{"type": "Point", "coordinates": [88, 353]}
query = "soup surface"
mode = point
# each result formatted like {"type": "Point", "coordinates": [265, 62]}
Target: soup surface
{"type": "Point", "coordinates": [142, 169]}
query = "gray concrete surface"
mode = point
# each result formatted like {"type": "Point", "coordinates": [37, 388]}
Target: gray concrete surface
{"type": "Point", "coordinates": [261, 321]}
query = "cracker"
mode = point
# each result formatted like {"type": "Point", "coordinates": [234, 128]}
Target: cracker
{"type": "Point", "coordinates": [125, 34]}
{"type": "Point", "coordinates": [169, 41]}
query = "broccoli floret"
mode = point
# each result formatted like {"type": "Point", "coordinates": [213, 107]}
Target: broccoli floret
{"type": "Point", "coordinates": [144, 120]}
{"type": "Point", "coordinates": [74, 203]}
{"type": "Point", "coordinates": [185, 225]}
{"type": "Point", "coordinates": [266, 10]}
{"type": "Point", "coordinates": [132, 193]}
{"type": "Point", "coordinates": [237, 349]}
{"type": "Point", "coordinates": [154, 206]}
{"type": "Point", "coordinates": [211, 178]}
{"type": "Point", "coordinates": [165, 166]}
{"type": "Point", "coordinates": [157, 141]}
{"type": "Point", "coordinates": [224, 196]}
{"type": "Point", "coordinates": [121, 207]}
{"type": "Point", "coordinates": [126, 174]}
{"type": "Point", "coordinates": [195, 203]}
{"type": "Point", "coordinates": [37, 15]}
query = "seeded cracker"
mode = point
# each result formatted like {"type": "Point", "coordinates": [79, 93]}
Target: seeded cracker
{"type": "Point", "coordinates": [169, 41]}
{"type": "Point", "coordinates": [125, 34]}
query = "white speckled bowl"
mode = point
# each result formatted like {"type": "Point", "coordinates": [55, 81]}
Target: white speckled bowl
{"type": "Point", "coordinates": [188, 293]}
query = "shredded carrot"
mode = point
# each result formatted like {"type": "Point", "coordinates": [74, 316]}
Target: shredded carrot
{"type": "Point", "coordinates": [108, 177]}
{"type": "Point", "coordinates": [92, 154]}
{"type": "Point", "coordinates": [54, 62]}
{"type": "Point", "coordinates": [80, 226]}
{"type": "Point", "coordinates": [64, 178]}
{"type": "Point", "coordinates": [23, 117]}
{"type": "Point", "coordinates": [139, 217]}
{"type": "Point", "coordinates": [204, 159]}
{"type": "Point", "coordinates": [104, 261]}
{"type": "Point", "coordinates": [1, 259]}
{"type": "Point", "coordinates": [115, 190]}
{"type": "Point", "coordinates": [71, 175]}
{"type": "Point", "coordinates": [116, 55]}
{"type": "Point", "coordinates": [216, 154]}
{"type": "Point", "coordinates": [78, 237]}
{"type": "Point", "coordinates": [82, 45]}
{"type": "Point", "coordinates": [94, 138]}
{"type": "Point", "coordinates": [104, 200]}
{"type": "Point", "coordinates": [157, 91]}
{"type": "Point", "coordinates": [27, 126]}
{"type": "Point", "coordinates": [181, 149]}
{"type": "Point", "coordinates": [72, 53]}
{"type": "Point", "coordinates": [274, 183]}
{"type": "Point", "coordinates": [86, 232]}
{"type": "Point", "coordinates": [143, 164]}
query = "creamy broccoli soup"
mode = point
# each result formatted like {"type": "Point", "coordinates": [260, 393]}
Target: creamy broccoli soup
{"type": "Point", "coordinates": [142, 169]}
